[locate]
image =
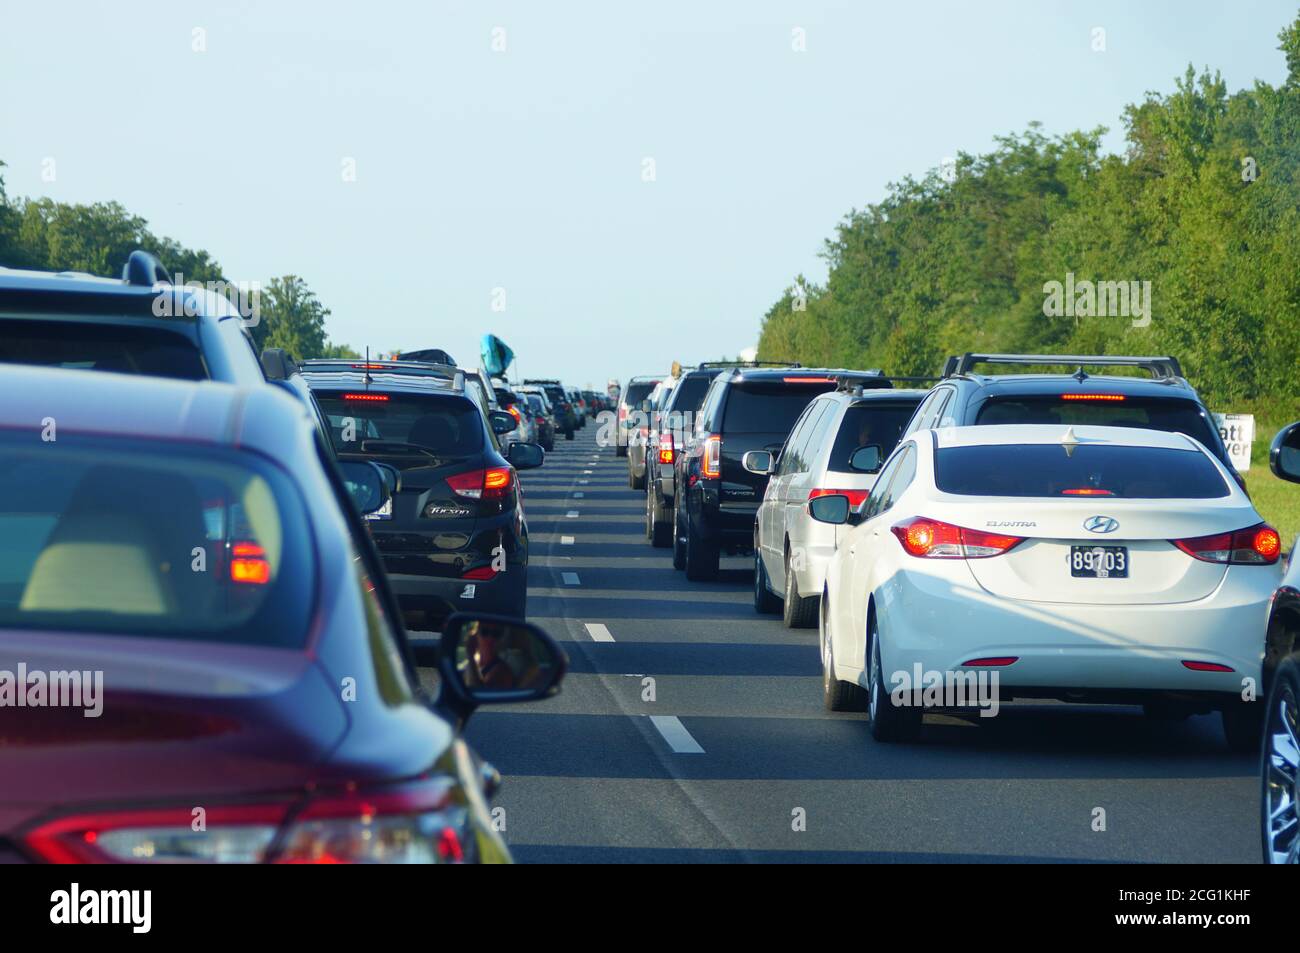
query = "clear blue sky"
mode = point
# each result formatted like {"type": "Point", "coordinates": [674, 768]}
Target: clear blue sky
{"type": "Point", "coordinates": [522, 169]}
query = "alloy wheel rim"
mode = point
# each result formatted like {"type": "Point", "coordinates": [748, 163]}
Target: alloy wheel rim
{"type": "Point", "coordinates": [1282, 780]}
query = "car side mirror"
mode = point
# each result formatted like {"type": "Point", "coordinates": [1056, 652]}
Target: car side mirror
{"type": "Point", "coordinates": [1284, 454]}
{"type": "Point", "coordinates": [525, 456]}
{"type": "Point", "coordinates": [366, 485]}
{"type": "Point", "coordinates": [486, 659]}
{"type": "Point", "coordinates": [832, 508]}
{"type": "Point", "coordinates": [867, 459]}
{"type": "Point", "coordinates": [502, 422]}
{"type": "Point", "coordinates": [757, 461]}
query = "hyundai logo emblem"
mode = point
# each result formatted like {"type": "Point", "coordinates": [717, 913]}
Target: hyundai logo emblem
{"type": "Point", "coordinates": [1101, 524]}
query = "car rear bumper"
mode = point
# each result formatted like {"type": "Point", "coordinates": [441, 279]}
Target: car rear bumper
{"type": "Point", "coordinates": [441, 596]}
{"type": "Point", "coordinates": [942, 620]}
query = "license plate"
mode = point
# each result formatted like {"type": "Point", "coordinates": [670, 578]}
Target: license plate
{"type": "Point", "coordinates": [1099, 562]}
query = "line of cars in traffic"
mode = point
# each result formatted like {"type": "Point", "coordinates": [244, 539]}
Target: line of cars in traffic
{"type": "Point", "coordinates": [210, 555]}
{"type": "Point", "coordinates": [1072, 530]}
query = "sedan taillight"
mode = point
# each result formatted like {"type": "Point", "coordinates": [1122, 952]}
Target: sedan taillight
{"type": "Point", "coordinates": [935, 539]}
{"type": "Point", "coordinates": [1258, 545]}
{"type": "Point", "coordinates": [491, 484]}
{"type": "Point", "coordinates": [420, 822]}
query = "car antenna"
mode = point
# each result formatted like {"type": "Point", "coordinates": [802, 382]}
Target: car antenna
{"type": "Point", "coordinates": [1080, 375]}
{"type": "Point", "coordinates": [1069, 441]}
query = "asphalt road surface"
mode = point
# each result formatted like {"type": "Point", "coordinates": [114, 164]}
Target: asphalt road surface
{"type": "Point", "coordinates": [692, 729]}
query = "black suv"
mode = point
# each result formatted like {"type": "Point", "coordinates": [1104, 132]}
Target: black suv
{"type": "Point", "coordinates": [668, 435]}
{"type": "Point", "coordinates": [455, 537]}
{"type": "Point", "coordinates": [141, 324]}
{"type": "Point", "coordinates": [716, 498]}
{"type": "Point", "coordinates": [565, 417]}
{"type": "Point", "coordinates": [1162, 401]}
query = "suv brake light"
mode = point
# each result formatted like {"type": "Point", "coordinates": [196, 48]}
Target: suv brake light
{"type": "Point", "coordinates": [1258, 545]}
{"type": "Point", "coordinates": [935, 539]}
{"type": "Point", "coordinates": [1109, 397]}
{"type": "Point", "coordinates": [665, 448]}
{"type": "Point", "coordinates": [491, 484]}
{"type": "Point", "coordinates": [711, 461]}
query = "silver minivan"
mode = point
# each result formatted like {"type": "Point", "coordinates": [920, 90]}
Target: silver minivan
{"type": "Point", "coordinates": [836, 446]}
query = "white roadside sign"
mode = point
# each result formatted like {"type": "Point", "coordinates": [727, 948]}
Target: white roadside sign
{"type": "Point", "coordinates": [1238, 432]}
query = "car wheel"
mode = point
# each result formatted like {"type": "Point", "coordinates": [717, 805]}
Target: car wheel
{"type": "Point", "coordinates": [679, 540]}
{"type": "Point", "coordinates": [800, 613]}
{"type": "Point", "coordinates": [889, 722]}
{"type": "Point", "coordinates": [837, 695]}
{"type": "Point", "coordinates": [661, 526]}
{"type": "Point", "coordinates": [620, 450]}
{"type": "Point", "coordinates": [1280, 767]}
{"type": "Point", "coordinates": [634, 481]}
{"type": "Point", "coordinates": [1243, 725]}
{"type": "Point", "coordinates": [765, 601]}
{"type": "Point", "coordinates": [701, 555]}
{"type": "Point", "coordinates": [568, 434]}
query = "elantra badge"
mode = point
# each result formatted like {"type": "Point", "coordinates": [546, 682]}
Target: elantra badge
{"type": "Point", "coordinates": [1101, 524]}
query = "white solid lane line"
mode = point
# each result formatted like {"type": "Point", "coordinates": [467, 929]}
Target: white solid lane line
{"type": "Point", "coordinates": [675, 733]}
{"type": "Point", "coordinates": [598, 632]}
{"type": "Point", "coordinates": [570, 578]}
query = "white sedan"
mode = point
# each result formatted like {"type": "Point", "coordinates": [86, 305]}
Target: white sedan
{"type": "Point", "coordinates": [1095, 564]}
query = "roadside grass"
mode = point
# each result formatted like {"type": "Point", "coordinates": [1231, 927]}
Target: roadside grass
{"type": "Point", "coordinates": [1277, 500]}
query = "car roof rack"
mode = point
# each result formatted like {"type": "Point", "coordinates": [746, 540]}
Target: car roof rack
{"type": "Point", "coordinates": [144, 269]}
{"type": "Point", "coordinates": [446, 372]}
{"type": "Point", "coordinates": [748, 364]}
{"type": "Point", "coordinates": [1159, 367]}
{"type": "Point", "coordinates": [873, 379]}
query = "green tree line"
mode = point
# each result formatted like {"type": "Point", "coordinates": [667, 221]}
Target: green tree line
{"type": "Point", "coordinates": [1204, 204]}
{"type": "Point", "coordinates": [97, 239]}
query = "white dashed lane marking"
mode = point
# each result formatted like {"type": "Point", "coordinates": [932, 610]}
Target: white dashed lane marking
{"type": "Point", "coordinates": [675, 733]}
{"type": "Point", "coordinates": [570, 578]}
{"type": "Point", "coordinates": [598, 632]}
{"type": "Point", "coordinates": [572, 515]}
{"type": "Point", "coordinates": [566, 540]}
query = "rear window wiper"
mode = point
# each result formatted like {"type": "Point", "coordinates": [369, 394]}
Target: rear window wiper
{"type": "Point", "coordinates": [395, 446]}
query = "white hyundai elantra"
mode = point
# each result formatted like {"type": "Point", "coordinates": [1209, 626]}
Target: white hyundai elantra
{"type": "Point", "coordinates": [1094, 564]}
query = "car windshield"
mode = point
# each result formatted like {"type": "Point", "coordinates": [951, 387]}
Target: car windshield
{"type": "Point", "coordinates": [636, 392]}
{"type": "Point", "coordinates": [145, 539]}
{"type": "Point", "coordinates": [418, 425]}
{"type": "Point", "coordinates": [875, 422]}
{"type": "Point", "coordinates": [124, 349]}
{"type": "Point", "coordinates": [1102, 410]}
{"type": "Point", "coordinates": [1097, 470]}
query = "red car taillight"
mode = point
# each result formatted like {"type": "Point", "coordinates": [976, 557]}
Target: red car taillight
{"type": "Point", "coordinates": [665, 448]}
{"type": "Point", "coordinates": [935, 539]}
{"type": "Point", "coordinates": [711, 461]}
{"type": "Point", "coordinates": [856, 497]}
{"type": "Point", "coordinates": [1258, 545]}
{"type": "Point", "coordinates": [414, 823]}
{"type": "Point", "coordinates": [248, 564]}
{"type": "Point", "coordinates": [491, 484]}
{"type": "Point", "coordinates": [480, 572]}
{"type": "Point", "coordinates": [514, 412]}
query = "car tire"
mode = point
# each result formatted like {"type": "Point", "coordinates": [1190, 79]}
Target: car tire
{"type": "Point", "coordinates": [679, 540]}
{"type": "Point", "coordinates": [568, 434]}
{"type": "Point", "coordinates": [1279, 765]}
{"type": "Point", "coordinates": [837, 695]}
{"type": "Point", "coordinates": [620, 450]}
{"type": "Point", "coordinates": [766, 601]}
{"type": "Point", "coordinates": [1243, 725]}
{"type": "Point", "coordinates": [701, 555]}
{"type": "Point", "coordinates": [659, 528]}
{"type": "Point", "coordinates": [798, 613]}
{"type": "Point", "coordinates": [889, 722]}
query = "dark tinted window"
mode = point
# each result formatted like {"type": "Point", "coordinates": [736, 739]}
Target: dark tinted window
{"type": "Point", "coordinates": [637, 392]}
{"type": "Point", "coordinates": [154, 352]}
{"type": "Point", "coordinates": [375, 422]}
{"type": "Point", "coordinates": [767, 408]}
{"type": "Point", "coordinates": [1152, 473]}
{"type": "Point", "coordinates": [689, 394]}
{"type": "Point", "coordinates": [876, 422]}
{"type": "Point", "coordinates": [165, 540]}
{"type": "Point", "coordinates": [1150, 413]}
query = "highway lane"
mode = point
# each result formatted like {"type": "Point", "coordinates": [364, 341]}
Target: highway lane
{"type": "Point", "coordinates": [691, 729]}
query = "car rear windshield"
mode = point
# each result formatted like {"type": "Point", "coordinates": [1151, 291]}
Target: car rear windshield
{"type": "Point", "coordinates": [1115, 410]}
{"type": "Point", "coordinates": [418, 426]}
{"type": "Point", "coordinates": [755, 407]}
{"type": "Point", "coordinates": [689, 394]}
{"type": "Point", "coordinates": [1084, 471]}
{"type": "Point", "coordinates": [125, 349]}
{"type": "Point", "coordinates": [877, 422]}
{"type": "Point", "coordinates": [637, 392]}
{"type": "Point", "coordinates": [149, 539]}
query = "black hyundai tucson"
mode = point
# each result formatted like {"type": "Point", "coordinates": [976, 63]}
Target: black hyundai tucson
{"type": "Point", "coordinates": [455, 537]}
